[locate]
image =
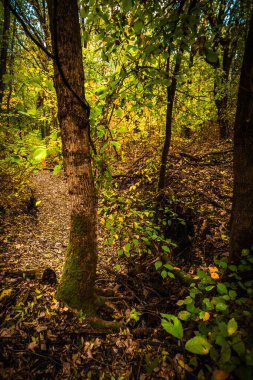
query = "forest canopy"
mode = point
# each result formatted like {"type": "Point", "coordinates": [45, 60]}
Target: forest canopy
{"type": "Point", "coordinates": [126, 189]}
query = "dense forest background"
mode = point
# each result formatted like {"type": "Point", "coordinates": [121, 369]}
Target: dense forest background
{"type": "Point", "coordinates": [126, 207]}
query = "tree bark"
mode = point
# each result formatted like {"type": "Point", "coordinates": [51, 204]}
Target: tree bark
{"type": "Point", "coordinates": [221, 101]}
{"type": "Point", "coordinates": [4, 49]}
{"type": "Point", "coordinates": [242, 210]}
{"type": "Point", "coordinates": [76, 287]}
{"type": "Point", "coordinates": [171, 91]}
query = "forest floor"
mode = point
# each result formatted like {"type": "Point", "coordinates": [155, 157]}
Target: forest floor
{"type": "Point", "coordinates": [41, 338]}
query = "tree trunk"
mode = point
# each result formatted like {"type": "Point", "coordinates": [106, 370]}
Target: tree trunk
{"type": "Point", "coordinates": [4, 49]}
{"type": "Point", "coordinates": [221, 100]}
{"type": "Point", "coordinates": [77, 283]}
{"type": "Point", "coordinates": [171, 91]}
{"type": "Point", "coordinates": [242, 210]}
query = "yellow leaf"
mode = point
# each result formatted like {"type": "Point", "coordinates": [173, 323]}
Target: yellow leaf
{"type": "Point", "coordinates": [183, 108]}
{"type": "Point", "coordinates": [206, 316]}
{"type": "Point", "coordinates": [213, 269]}
{"type": "Point", "coordinates": [116, 102]}
{"type": "Point", "coordinates": [120, 219]}
{"type": "Point", "coordinates": [93, 98]}
{"type": "Point", "coordinates": [5, 293]}
{"type": "Point", "coordinates": [102, 220]}
{"type": "Point", "coordinates": [215, 276]}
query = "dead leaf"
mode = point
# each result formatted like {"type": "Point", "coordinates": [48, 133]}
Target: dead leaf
{"type": "Point", "coordinates": [219, 374]}
{"type": "Point", "coordinates": [32, 345]}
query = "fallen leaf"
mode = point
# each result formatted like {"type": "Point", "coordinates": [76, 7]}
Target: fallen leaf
{"type": "Point", "coordinates": [32, 345]}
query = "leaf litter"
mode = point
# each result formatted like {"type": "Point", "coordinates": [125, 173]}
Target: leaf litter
{"type": "Point", "coordinates": [41, 338]}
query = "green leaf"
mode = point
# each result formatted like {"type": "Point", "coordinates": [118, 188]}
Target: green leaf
{"type": "Point", "coordinates": [40, 153]}
{"type": "Point", "coordinates": [138, 25]}
{"type": "Point", "coordinates": [165, 248]}
{"type": "Point", "coordinates": [126, 247]}
{"type": "Point", "coordinates": [211, 56]}
{"type": "Point", "coordinates": [184, 315]}
{"type": "Point", "coordinates": [238, 345]}
{"type": "Point", "coordinates": [172, 325]}
{"type": "Point", "coordinates": [232, 326]}
{"type": "Point", "coordinates": [198, 345]}
{"type": "Point", "coordinates": [168, 266]}
{"type": "Point", "coordinates": [119, 112]}
{"type": "Point", "coordinates": [164, 274]}
{"type": "Point", "coordinates": [57, 169]}
{"type": "Point", "coordinates": [158, 264]}
{"type": "Point", "coordinates": [208, 288]}
{"type": "Point", "coordinates": [126, 5]}
{"type": "Point", "coordinates": [221, 306]}
{"type": "Point", "coordinates": [222, 289]}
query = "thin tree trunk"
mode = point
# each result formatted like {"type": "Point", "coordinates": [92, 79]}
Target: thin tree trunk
{"type": "Point", "coordinates": [4, 50]}
{"type": "Point", "coordinates": [77, 283]}
{"type": "Point", "coordinates": [171, 91]}
{"type": "Point", "coordinates": [242, 211]}
{"type": "Point", "coordinates": [11, 72]}
{"type": "Point", "coordinates": [222, 100]}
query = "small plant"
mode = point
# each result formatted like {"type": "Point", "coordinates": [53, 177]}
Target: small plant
{"type": "Point", "coordinates": [220, 303]}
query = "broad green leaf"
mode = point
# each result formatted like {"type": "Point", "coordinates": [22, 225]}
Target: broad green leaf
{"type": "Point", "coordinates": [164, 274]}
{"type": "Point", "coordinates": [126, 247]}
{"type": "Point", "coordinates": [221, 306]}
{"type": "Point", "coordinates": [184, 315]}
{"type": "Point", "coordinates": [238, 345]}
{"type": "Point", "coordinates": [232, 326]}
{"type": "Point", "coordinates": [119, 112]}
{"type": "Point", "coordinates": [211, 56]}
{"type": "Point", "coordinates": [138, 25]}
{"type": "Point", "coordinates": [222, 289]}
{"type": "Point", "coordinates": [126, 5]}
{"type": "Point", "coordinates": [158, 264]}
{"type": "Point", "coordinates": [57, 169]}
{"type": "Point", "coordinates": [172, 325]}
{"type": "Point", "coordinates": [198, 345]}
{"type": "Point", "coordinates": [168, 266]}
{"type": "Point", "coordinates": [40, 153]}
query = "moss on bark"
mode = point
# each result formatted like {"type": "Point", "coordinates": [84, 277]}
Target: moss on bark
{"type": "Point", "coordinates": [76, 287]}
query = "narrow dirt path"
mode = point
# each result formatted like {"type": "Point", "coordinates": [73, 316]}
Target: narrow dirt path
{"type": "Point", "coordinates": [38, 239]}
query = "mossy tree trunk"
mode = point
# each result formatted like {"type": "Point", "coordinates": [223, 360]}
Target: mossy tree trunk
{"type": "Point", "coordinates": [76, 287]}
{"type": "Point", "coordinates": [242, 210]}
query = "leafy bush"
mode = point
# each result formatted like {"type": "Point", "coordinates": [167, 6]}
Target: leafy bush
{"type": "Point", "coordinates": [220, 306]}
